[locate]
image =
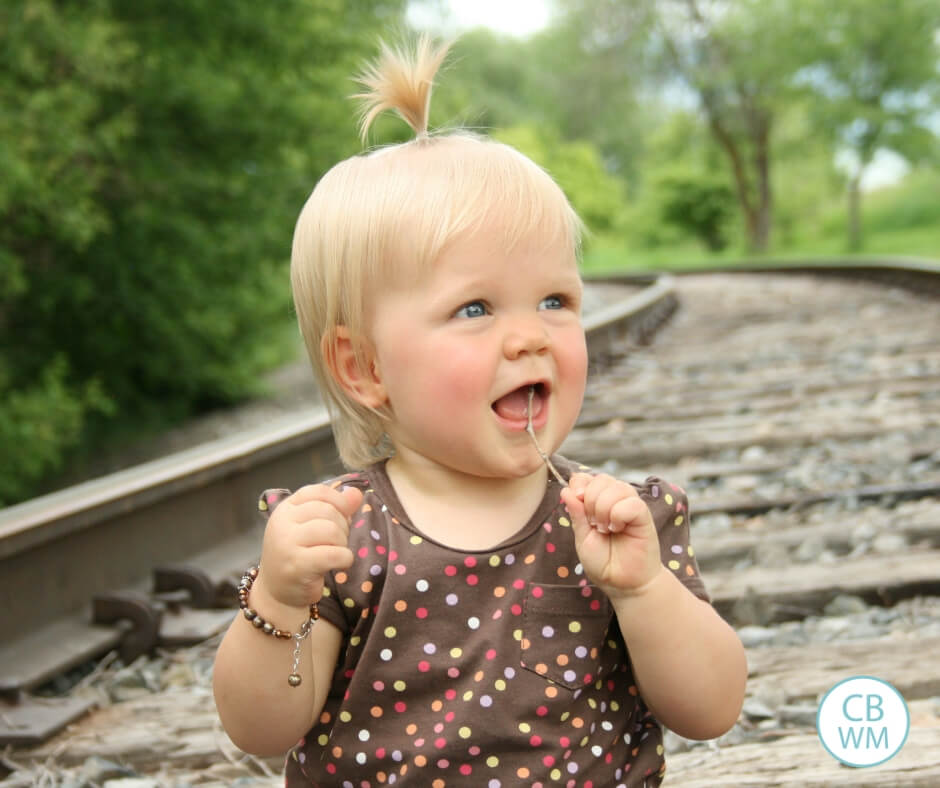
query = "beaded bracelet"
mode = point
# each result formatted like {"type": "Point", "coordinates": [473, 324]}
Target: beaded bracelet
{"type": "Point", "coordinates": [267, 628]}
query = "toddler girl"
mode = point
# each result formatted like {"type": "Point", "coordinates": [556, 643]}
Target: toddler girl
{"type": "Point", "coordinates": [480, 623]}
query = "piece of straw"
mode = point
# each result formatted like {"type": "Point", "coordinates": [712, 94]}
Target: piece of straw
{"type": "Point", "coordinates": [538, 448]}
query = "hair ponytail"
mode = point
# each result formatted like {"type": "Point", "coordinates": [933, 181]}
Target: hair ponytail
{"type": "Point", "coordinates": [400, 81]}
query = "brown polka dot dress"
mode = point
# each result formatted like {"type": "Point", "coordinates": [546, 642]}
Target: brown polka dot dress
{"type": "Point", "coordinates": [483, 668]}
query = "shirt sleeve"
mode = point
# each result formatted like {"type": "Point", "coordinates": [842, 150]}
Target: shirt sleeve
{"type": "Point", "coordinates": [669, 506]}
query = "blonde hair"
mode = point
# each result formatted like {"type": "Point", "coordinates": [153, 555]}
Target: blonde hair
{"type": "Point", "coordinates": [376, 218]}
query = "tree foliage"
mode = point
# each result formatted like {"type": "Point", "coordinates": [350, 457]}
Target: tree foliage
{"type": "Point", "coordinates": [489, 82]}
{"type": "Point", "coordinates": [155, 156]}
{"type": "Point", "coordinates": [872, 68]}
{"type": "Point", "coordinates": [698, 202]}
{"type": "Point", "coordinates": [732, 56]}
{"type": "Point", "coordinates": [591, 90]}
{"type": "Point", "coordinates": [596, 195]}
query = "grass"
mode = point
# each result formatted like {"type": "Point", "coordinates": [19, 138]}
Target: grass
{"type": "Point", "coordinates": [610, 255]}
{"type": "Point", "coordinates": [898, 221]}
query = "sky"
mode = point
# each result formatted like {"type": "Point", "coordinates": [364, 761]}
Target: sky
{"type": "Point", "coordinates": [514, 17]}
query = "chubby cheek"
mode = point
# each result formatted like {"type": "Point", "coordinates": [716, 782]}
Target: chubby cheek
{"type": "Point", "coordinates": [435, 383]}
{"type": "Point", "coordinates": [572, 370]}
{"type": "Point", "coordinates": [459, 378]}
{"type": "Point", "coordinates": [569, 394]}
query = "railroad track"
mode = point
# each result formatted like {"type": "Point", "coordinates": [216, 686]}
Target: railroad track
{"type": "Point", "coordinates": [802, 414]}
{"type": "Point", "coordinates": [799, 407]}
{"type": "Point", "coordinates": [149, 557]}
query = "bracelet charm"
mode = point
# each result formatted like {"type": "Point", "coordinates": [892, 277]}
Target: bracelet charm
{"type": "Point", "coordinates": [267, 628]}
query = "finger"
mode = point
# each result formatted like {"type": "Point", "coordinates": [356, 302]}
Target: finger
{"type": "Point", "coordinates": [323, 559]}
{"type": "Point", "coordinates": [352, 500]}
{"type": "Point", "coordinates": [605, 501]}
{"type": "Point", "coordinates": [346, 500]}
{"type": "Point", "coordinates": [319, 510]}
{"type": "Point", "coordinates": [628, 513]}
{"type": "Point", "coordinates": [314, 533]}
{"type": "Point", "coordinates": [592, 492]}
{"type": "Point", "coordinates": [316, 563]}
{"type": "Point", "coordinates": [579, 520]}
{"type": "Point", "coordinates": [317, 492]}
{"type": "Point", "coordinates": [315, 523]}
{"type": "Point", "coordinates": [578, 483]}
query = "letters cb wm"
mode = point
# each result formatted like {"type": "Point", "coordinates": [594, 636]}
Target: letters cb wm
{"type": "Point", "coordinates": [863, 721]}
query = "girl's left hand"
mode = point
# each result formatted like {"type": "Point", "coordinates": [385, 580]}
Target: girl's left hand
{"type": "Point", "coordinates": [614, 533]}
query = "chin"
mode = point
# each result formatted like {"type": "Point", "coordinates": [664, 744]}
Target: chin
{"type": "Point", "coordinates": [529, 466]}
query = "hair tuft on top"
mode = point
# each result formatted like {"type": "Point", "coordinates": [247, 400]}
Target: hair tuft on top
{"type": "Point", "coordinates": [400, 81]}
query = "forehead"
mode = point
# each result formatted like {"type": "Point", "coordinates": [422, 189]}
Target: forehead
{"type": "Point", "coordinates": [456, 187]}
{"type": "Point", "coordinates": [494, 252]}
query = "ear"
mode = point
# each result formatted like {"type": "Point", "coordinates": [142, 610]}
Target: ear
{"type": "Point", "coordinates": [359, 378]}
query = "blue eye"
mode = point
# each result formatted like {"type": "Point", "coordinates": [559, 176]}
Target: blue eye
{"type": "Point", "coordinates": [473, 309]}
{"type": "Point", "coordinates": [552, 302]}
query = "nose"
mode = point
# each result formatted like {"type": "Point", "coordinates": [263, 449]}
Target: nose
{"type": "Point", "coordinates": [525, 335]}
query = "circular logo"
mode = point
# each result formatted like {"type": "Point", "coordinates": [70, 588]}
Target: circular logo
{"type": "Point", "coordinates": [863, 721]}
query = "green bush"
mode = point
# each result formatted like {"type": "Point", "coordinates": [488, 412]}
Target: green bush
{"type": "Point", "coordinates": [644, 227]}
{"type": "Point", "coordinates": [39, 424]}
{"type": "Point", "coordinates": [155, 155]}
{"type": "Point", "coordinates": [698, 202]}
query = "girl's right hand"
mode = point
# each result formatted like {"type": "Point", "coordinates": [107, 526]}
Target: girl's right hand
{"type": "Point", "coordinates": [307, 535]}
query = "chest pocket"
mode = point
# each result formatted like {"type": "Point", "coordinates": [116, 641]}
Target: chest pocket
{"type": "Point", "coordinates": [563, 632]}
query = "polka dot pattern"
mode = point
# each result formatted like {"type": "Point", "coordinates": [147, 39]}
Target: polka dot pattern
{"type": "Point", "coordinates": [491, 668]}
{"type": "Point", "coordinates": [563, 625]}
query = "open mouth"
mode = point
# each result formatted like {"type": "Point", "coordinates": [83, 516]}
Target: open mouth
{"type": "Point", "coordinates": [514, 406]}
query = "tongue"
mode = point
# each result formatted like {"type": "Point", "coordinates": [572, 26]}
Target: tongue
{"type": "Point", "coordinates": [515, 405]}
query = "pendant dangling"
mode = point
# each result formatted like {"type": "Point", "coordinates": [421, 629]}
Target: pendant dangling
{"type": "Point", "coordinates": [294, 678]}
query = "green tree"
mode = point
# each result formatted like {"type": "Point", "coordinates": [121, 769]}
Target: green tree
{"type": "Point", "coordinates": [155, 157]}
{"type": "Point", "coordinates": [685, 184]}
{"type": "Point", "coordinates": [733, 57]}
{"type": "Point", "coordinates": [58, 144]}
{"type": "Point", "coordinates": [589, 89]}
{"type": "Point", "coordinates": [489, 82]}
{"type": "Point", "coordinates": [596, 195]}
{"type": "Point", "coordinates": [875, 80]}
{"type": "Point", "coordinates": [807, 184]}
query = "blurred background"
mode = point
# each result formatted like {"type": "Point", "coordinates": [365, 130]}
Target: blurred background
{"type": "Point", "coordinates": [154, 157]}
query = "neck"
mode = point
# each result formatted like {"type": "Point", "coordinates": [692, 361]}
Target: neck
{"type": "Point", "coordinates": [462, 510]}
